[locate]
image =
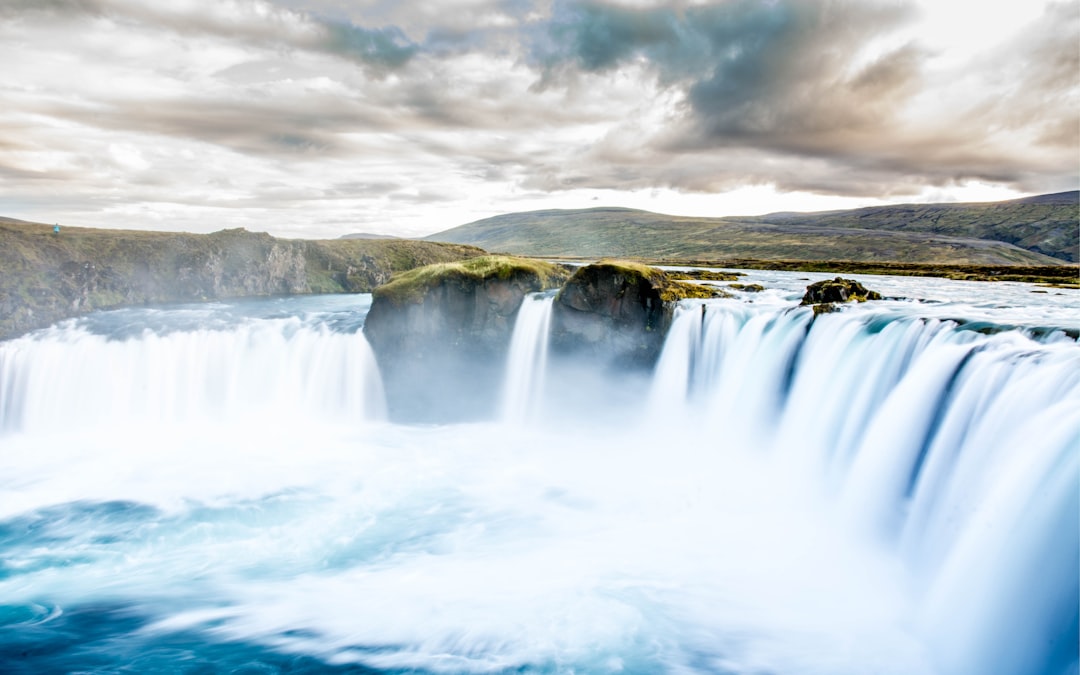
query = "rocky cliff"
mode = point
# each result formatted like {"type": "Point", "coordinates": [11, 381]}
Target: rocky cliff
{"type": "Point", "coordinates": [617, 312]}
{"type": "Point", "coordinates": [48, 276]}
{"type": "Point", "coordinates": [441, 333]}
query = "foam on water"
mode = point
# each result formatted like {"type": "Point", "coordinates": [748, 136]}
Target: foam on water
{"type": "Point", "coordinates": [873, 491]}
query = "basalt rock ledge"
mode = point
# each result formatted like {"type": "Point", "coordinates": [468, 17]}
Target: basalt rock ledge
{"type": "Point", "coordinates": [441, 333]}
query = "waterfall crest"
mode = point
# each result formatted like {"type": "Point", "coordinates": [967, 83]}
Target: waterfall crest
{"type": "Point", "coordinates": [959, 449]}
{"type": "Point", "coordinates": [526, 363]}
{"type": "Point", "coordinates": [874, 490]}
{"type": "Point", "coordinates": [69, 378]}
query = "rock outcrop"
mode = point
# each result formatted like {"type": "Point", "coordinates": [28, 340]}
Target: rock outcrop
{"type": "Point", "coordinates": [824, 295]}
{"type": "Point", "coordinates": [838, 290]}
{"type": "Point", "coordinates": [618, 313]}
{"type": "Point", "coordinates": [441, 333]}
{"type": "Point", "coordinates": [47, 276]}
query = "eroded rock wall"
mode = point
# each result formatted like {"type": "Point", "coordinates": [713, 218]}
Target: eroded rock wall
{"type": "Point", "coordinates": [442, 336]}
{"type": "Point", "coordinates": [47, 277]}
{"type": "Point", "coordinates": [442, 340]}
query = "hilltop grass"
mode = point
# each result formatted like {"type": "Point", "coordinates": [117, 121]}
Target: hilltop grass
{"type": "Point", "coordinates": [1066, 276]}
{"type": "Point", "coordinates": [1060, 276]}
{"type": "Point", "coordinates": [411, 286]}
{"type": "Point", "coordinates": [1047, 224]}
{"type": "Point", "coordinates": [360, 265]}
{"type": "Point", "coordinates": [1006, 233]}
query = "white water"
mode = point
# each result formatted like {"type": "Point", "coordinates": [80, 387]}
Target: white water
{"type": "Point", "coordinates": [959, 451]}
{"type": "Point", "coordinates": [72, 379]}
{"type": "Point", "coordinates": [758, 515]}
{"type": "Point", "coordinates": [526, 363]}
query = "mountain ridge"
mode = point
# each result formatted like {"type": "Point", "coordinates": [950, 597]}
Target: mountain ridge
{"type": "Point", "coordinates": [1039, 230]}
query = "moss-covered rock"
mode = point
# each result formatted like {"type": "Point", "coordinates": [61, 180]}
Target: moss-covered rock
{"type": "Point", "coordinates": [838, 290]}
{"type": "Point", "coordinates": [618, 312]}
{"type": "Point", "coordinates": [747, 288]}
{"type": "Point", "coordinates": [494, 271]}
{"type": "Point", "coordinates": [441, 333]}
{"type": "Point", "coordinates": [704, 275]}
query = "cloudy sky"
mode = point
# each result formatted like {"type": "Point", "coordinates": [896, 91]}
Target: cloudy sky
{"type": "Point", "coordinates": [320, 117]}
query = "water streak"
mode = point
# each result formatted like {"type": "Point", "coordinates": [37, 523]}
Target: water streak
{"type": "Point", "coordinates": [956, 448]}
{"type": "Point", "coordinates": [70, 378]}
{"type": "Point", "coordinates": [526, 363]}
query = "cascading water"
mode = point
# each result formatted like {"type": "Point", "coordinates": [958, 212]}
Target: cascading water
{"type": "Point", "coordinates": [958, 449]}
{"type": "Point", "coordinates": [70, 378]}
{"type": "Point", "coordinates": [527, 361]}
{"type": "Point", "coordinates": [879, 490]}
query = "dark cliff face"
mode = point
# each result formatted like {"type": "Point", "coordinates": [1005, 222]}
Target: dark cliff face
{"type": "Point", "coordinates": [47, 276]}
{"type": "Point", "coordinates": [618, 313]}
{"type": "Point", "coordinates": [610, 314]}
{"type": "Point", "coordinates": [441, 335]}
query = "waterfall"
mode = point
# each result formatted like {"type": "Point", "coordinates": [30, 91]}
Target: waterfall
{"type": "Point", "coordinates": [876, 490]}
{"type": "Point", "coordinates": [527, 361]}
{"type": "Point", "coordinates": [960, 450]}
{"type": "Point", "coordinates": [69, 378]}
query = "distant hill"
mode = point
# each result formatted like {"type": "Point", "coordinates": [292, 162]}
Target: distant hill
{"type": "Point", "coordinates": [1047, 224]}
{"type": "Point", "coordinates": [367, 235]}
{"type": "Point", "coordinates": [1037, 231]}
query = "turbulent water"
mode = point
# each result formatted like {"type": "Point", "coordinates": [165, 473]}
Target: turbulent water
{"type": "Point", "coordinates": [890, 489]}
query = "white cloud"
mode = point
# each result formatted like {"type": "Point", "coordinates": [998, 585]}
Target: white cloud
{"type": "Point", "coordinates": [320, 117]}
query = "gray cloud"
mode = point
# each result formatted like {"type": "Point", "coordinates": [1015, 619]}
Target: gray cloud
{"type": "Point", "coordinates": [787, 81]}
{"type": "Point", "coordinates": [281, 129]}
{"type": "Point", "coordinates": [384, 47]}
{"type": "Point", "coordinates": [1044, 66]}
{"type": "Point", "coordinates": [257, 22]}
{"type": "Point", "coordinates": [383, 102]}
{"type": "Point", "coordinates": [597, 36]}
{"type": "Point", "coordinates": [754, 73]}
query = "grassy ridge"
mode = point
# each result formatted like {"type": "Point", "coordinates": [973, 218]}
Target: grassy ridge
{"type": "Point", "coordinates": [931, 238]}
{"type": "Point", "coordinates": [1047, 224]}
{"type": "Point", "coordinates": [1055, 275]}
{"type": "Point", "coordinates": [411, 286]}
{"type": "Point", "coordinates": [47, 276]}
{"type": "Point", "coordinates": [668, 285]}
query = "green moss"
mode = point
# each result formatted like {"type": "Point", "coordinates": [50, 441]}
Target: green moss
{"type": "Point", "coordinates": [411, 286]}
{"type": "Point", "coordinates": [1067, 275]}
{"type": "Point", "coordinates": [703, 275]}
{"type": "Point", "coordinates": [674, 291]}
{"type": "Point", "coordinates": [749, 288]}
{"type": "Point", "coordinates": [838, 290]}
{"type": "Point", "coordinates": [323, 281]}
{"type": "Point", "coordinates": [668, 289]}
